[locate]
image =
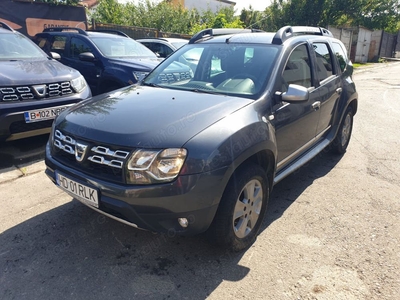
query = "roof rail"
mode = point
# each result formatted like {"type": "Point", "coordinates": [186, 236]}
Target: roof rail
{"type": "Point", "coordinates": [117, 32]}
{"type": "Point", "coordinates": [289, 31]}
{"type": "Point", "coordinates": [210, 32]}
{"type": "Point", "coordinates": [61, 29]}
{"type": "Point", "coordinates": [6, 26]}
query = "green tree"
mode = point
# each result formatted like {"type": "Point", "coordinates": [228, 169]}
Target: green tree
{"type": "Point", "coordinates": [109, 11]}
{"type": "Point", "coordinates": [373, 14]}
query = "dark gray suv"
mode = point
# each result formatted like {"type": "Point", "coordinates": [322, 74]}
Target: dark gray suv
{"type": "Point", "coordinates": [201, 153]}
{"type": "Point", "coordinates": [34, 87]}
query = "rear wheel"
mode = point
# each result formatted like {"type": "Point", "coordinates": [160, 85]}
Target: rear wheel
{"type": "Point", "coordinates": [241, 210]}
{"type": "Point", "coordinates": [340, 143]}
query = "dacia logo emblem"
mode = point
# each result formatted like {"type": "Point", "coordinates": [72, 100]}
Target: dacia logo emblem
{"type": "Point", "coordinates": [80, 151]}
{"type": "Point", "coordinates": [40, 90]}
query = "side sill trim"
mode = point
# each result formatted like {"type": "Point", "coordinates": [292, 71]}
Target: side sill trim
{"type": "Point", "coordinates": [302, 160]}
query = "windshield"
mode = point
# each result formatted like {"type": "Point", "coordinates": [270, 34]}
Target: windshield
{"type": "Point", "coordinates": [16, 46]}
{"type": "Point", "coordinates": [232, 69]}
{"type": "Point", "coordinates": [115, 46]}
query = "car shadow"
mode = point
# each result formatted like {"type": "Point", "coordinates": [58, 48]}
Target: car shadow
{"type": "Point", "coordinates": [73, 252]}
{"type": "Point", "coordinates": [290, 188]}
{"type": "Point", "coordinates": [22, 151]}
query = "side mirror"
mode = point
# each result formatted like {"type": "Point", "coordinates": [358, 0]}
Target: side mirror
{"type": "Point", "coordinates": [295, 93]}
{"type": "Point", "coordinates": [55, 55]}
{"type": "Point", "coordinates": [87, 56]}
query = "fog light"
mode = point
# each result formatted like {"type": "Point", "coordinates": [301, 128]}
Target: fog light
{"type": "Point", "coordinates": [183, 222]}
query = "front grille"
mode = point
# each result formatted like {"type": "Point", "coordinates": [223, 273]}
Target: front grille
{"type": "Point", "coordinates": [35, 92]}
{"type": "Point", "coordinates": [100, 161]}
{"type": "Point", "coordinates": [21, 126]}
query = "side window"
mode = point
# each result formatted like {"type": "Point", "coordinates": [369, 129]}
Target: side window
{"type": "Point", "coordinates": [340, 55]}
{"type": "Point", "coordinates": [324, 61]}
{"type": "Point", "coordinates": [155, 47]}
{"type": "Point", "coordinates": [298, 70]}
{"type": "Point", "coordinates": [58, 44]}
{"type": "Point", "coordinates": [165, 51]}
{"type": "Point", "coordinates": [78, 46]}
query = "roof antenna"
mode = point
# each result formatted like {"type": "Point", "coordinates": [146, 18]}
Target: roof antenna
{"type": "Point", "coordinates": [259, 21]}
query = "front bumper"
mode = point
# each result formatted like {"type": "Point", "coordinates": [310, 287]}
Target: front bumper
{"type": "Point", "coordinates": [155, 207]}
{"type": "Point", "coordinates": [12, 120]}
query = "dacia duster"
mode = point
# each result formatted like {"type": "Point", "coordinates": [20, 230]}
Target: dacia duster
{"type": "Point", "coordinates": [202, 154]}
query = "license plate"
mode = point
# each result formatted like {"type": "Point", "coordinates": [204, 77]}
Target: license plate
{"type": "Point", "coordinates": [43, 114]}
{"type": "Point", "coordinates": [77, 190]}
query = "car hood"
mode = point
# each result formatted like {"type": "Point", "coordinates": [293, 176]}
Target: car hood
{"type": "Point", "coordinates": [20, 72]}
{"type": "Point", "coordinates": [140, 63]}
{"type": "Point", "coordinates": [147, 117]}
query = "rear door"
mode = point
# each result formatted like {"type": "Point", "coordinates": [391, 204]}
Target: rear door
{"type": "Point", "coordinates": [329, 84]}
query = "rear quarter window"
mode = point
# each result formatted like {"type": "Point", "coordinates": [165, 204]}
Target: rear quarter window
{"type": "Point", "coordinates": [340, 54]}
{"type": "Point", "coordinates": [325, 67]}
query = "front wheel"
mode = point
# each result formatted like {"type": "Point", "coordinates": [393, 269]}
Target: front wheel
{"type": "Point", "coordinates": [241, 210]}
{"type": "Point", "coordinates": [342, 139]}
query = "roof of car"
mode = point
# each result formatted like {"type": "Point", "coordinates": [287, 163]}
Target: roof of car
{"type": "Point", "coordinates": [5, 28]}
{"type": "Point", "coordinates": [72, 30]}
{"type": "Point", "coordinates": [236, 35]}
{"type": "Point", "coordinates": [170, 40]}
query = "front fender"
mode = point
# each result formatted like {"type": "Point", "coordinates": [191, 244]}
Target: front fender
{"type": "Point", "coordinates": [231, 141]}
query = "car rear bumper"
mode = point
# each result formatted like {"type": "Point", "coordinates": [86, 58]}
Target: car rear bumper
{"type": "Point", "coordinates": [157, 207]}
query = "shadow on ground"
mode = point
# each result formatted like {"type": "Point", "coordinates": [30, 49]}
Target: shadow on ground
{"type": "Point", "coordinates": [22, 151]}
{"type": "Point", "coordinates": [72, 252]}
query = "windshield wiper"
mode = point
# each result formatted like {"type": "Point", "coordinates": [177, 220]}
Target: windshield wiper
{"type": "Point", "coordinates": [203, 91]}
{"type": "Point", "coordinates": [150, 84]}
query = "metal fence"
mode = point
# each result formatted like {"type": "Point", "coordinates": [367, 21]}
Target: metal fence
{"type": "Point", "coordinates": [365, 45]}
{"type": "Point", "coordinates": [136, 32]}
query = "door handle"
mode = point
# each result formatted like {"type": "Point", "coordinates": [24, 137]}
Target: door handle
{"type": "Point", "coordinates": [316, 105]}
{"type": "Point", "coordinates": [339, 91]}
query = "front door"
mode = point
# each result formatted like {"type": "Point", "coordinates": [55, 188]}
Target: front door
{"type": "Point", "coordinates": [90, 70]}
{"type": "Point", "coordinates": [296, 123]}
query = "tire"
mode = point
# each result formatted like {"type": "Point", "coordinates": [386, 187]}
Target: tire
{"type": "Point", "coordinates": [342, 139]}
{"type": "Point", "coordinates": [241, 210]}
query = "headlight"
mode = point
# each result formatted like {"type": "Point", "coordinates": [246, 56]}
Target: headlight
{"type": "Point", "coordinates": [140, 75]}
{"type": "Point", "coordinates": [147, 166]}
{"type": "Point", "coordinates": [78, 84]}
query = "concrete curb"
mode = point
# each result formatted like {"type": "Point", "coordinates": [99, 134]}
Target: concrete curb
{"type": "Point", "coordinates": [375, 66]}
{"type": "Point", "coordinates": [15, 172]}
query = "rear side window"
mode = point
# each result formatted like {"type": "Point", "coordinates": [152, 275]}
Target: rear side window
{"type": "Point", "coordinates": [324, 61]}
{"type": "Point", "coordinates": [340, 55]}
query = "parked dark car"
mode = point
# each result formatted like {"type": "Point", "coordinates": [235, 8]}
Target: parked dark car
{"type": "Point", "coordinates": [34, 87]}
{"type": "Point", "coordinates": [107, 59]}
{"type": "Point", "coordinates": [202, 154]}
{"type": "Point", "coordinates": [163, 46]}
